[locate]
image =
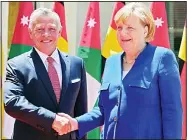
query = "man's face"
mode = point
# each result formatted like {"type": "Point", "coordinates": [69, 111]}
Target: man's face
{"type": "Point", "coordinates": [45, 34]}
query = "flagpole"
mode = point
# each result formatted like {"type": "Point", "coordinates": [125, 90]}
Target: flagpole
{"type": "Point", "coordinates": [169, 7]}
{"type": "Point", "coordinates": [34, 5]}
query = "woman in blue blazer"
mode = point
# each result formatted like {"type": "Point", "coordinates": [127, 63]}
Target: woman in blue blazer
{"type": "Point", "coordinates": [140, 94]}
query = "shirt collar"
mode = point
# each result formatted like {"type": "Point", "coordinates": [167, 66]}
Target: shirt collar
{"type": "Point", "coordinates": [54, 55]}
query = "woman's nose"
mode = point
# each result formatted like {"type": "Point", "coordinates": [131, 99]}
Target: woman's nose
{"type": "Point", "coordinates": [124, 31]}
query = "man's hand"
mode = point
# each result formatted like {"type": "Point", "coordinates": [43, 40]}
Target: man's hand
{"type": "Point", "coordinates": [73, 121]}
{"type": "Point", "coordinates": [61, 125]}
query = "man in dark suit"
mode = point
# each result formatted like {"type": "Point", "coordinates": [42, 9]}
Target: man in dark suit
{"type": "Point", "coordinates": [44, 82]}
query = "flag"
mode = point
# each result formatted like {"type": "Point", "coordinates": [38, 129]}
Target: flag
{"type": "Point", "coordinates": [62, 41]}
{"type": "Point", "coordinates": [182, 56]}
{"type": "Point", "coordinates": [161, 37]}
{"type": "Point", "coordinates": [2, 77]}
{"type": "Point", "coordinates": [182, 51]}
{"type": "Point", "coordinates": [3, 62]}
{"type": "Point", "coordinates": [183, 82]}
{"type": "Point", "coordinates": [21, 43]}
{"type": "Point", "coordinates": [12, 15]}
{"type": "Point", "coordinates": [111, 45]}
{"type": "Point", "coordinates": [21, 40]}
{"type": "Point", "coordinates": [12, 18]}
{"type": "Point", "coordinates": [90, 51]}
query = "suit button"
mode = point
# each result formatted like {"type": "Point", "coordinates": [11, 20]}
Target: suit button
{"type": "Point", "coordinates": [56, 134]}
{"type": "Point", "coordinates": [115, 119]}
{"type": "Point", "coordinates": [119, 88]}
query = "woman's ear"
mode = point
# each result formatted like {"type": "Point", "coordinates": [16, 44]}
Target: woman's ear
{"type": "Point", "coordinates": [145, 31]}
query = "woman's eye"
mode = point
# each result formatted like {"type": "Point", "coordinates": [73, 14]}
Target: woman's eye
{"type": "Point", "coordinates": [130, 28]}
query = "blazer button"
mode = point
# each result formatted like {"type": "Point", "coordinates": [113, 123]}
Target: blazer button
{"type": "Point", "coordinates": [115, 119]}
{"type": "Point", "coordinates": [119, 88]}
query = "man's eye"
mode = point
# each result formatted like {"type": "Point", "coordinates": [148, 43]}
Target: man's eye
{"type": "Point", "coordinates": [39, 30]}
{"type": "Point", "coordinates": [52, 29]}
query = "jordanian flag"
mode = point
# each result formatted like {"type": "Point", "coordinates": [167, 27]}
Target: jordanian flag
{"type": "Point", "coordinates": [90, 51]}
{"type": "Point", "coordinates": [161, 37]}
{"type": "Point", "coordinates": [182, 58]}
{"type": "Point", "coordinates": [21, 43]}
{"type": "Point", "coordinates": [62, 41]}
{"type": "Point", "coordinates": [111, 45]}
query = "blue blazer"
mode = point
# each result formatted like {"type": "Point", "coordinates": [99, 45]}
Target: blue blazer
{"type": "Point", "coordinates": [146, 104]}
{"type": "Point", "coordinates": [30, 98]}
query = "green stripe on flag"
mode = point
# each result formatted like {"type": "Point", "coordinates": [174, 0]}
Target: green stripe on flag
{"type": "Point", "coordinates": [95, 133]}
{"type": "Point", "coordinates": [92, 59]}
{"type": "Point", "coordinates": [17, 49]}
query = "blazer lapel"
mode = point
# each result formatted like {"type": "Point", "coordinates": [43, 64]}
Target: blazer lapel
{"type": "Point", "coordinates": [140, 63]}
{"type": "Point", "coordinates": [41, 72]}
{"type": "Point", "coordinates": [65, 65]}
{"type": "Point", "coordinates": [109, 71]}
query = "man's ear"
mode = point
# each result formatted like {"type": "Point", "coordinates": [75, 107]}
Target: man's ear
{"type": "Point", "coordinates": [30, 32]}
{"type": "Point", "coordinates": [59, 32]}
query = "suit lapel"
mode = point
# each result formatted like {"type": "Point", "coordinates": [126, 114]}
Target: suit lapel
{"type": "Point", "coordinates": [41, 72]}
{"type": "Point", "coordinates": [65, 65]}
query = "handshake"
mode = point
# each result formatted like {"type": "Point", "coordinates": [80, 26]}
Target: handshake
{"type": "Point", "coordinates": [64, 124]}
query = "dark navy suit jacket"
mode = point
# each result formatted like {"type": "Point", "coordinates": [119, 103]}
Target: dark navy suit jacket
{"type": "Point", "coordinates": [30, 99]}
{"type": "Point", "coordinates": [146, 104]}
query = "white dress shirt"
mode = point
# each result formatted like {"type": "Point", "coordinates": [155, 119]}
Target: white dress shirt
{"type": "Point", "coordinates": [56, 63]}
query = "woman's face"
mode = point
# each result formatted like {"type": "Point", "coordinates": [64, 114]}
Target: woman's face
{"type": "Point", "coordinates": [131, 34]}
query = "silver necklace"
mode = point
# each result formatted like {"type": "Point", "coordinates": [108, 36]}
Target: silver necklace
{"type": "Point", "coordinates": [132, 61]}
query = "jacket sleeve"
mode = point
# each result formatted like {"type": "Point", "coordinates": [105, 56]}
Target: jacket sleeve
{"type": "Point", "coordinates": [16, 104]}
{"type": "Point", "coordinates": [91, 120]}
{"type": "Point", "coordinates": [170, 93]}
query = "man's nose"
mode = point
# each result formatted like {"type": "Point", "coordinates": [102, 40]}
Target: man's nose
{"type": "Point", "coordinates": [46, 33]}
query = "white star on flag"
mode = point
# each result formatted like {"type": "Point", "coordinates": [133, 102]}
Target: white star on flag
{"type": "Point", "coordinates": [91, 22]}
{"type": "Point", "coordinates": [158, 22]}
{"type": "Point", "coordinates": [25, 20]}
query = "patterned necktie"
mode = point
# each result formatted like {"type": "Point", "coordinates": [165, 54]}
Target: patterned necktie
{"type": "Point", "coordinates": [54, 78]}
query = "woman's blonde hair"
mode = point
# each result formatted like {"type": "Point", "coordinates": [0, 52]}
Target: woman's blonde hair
{"type": "Point", "coordinates": [142, 12]}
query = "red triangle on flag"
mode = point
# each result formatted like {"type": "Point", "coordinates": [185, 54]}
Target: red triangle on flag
{"type": "Point", "coordinates": [161, 37]}
{"type": "Point", "coordinates": [21, 34]}
{"type": "Point", "coordinates": [92, 27]}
